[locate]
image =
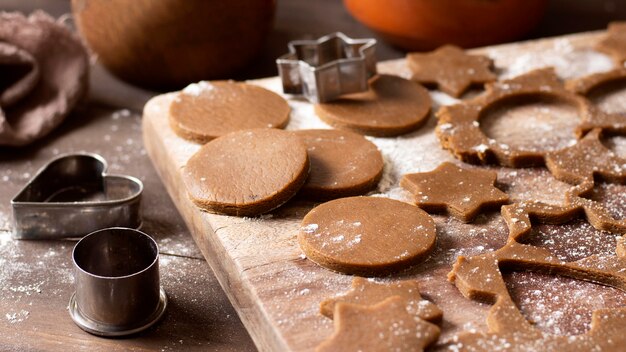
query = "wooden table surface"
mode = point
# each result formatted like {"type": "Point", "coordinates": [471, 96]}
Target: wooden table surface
{"type": "Point", "coordinates": [36, 276]}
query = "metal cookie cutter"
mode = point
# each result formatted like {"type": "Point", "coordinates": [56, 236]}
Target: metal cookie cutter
{"type": "Point", "coordinates": [326, 68]}
{"type": "Point", "coordinates": [72, 196]}
{"type": "Point", "coordinates": [117, 283]}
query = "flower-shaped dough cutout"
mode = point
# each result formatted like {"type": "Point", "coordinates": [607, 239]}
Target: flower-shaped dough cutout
{"type": "Point", "coordinates": [462, 193]}
{"type": "Point", "coordinates": [451, 69]}
{"type": "Point", "coordinates": [606, 119]}
{"type": "Point", "coordinates": [367, 292]}
{"type": "Point", "coordinates": [614, 42]}
{"type": "Point", "coordinates": [386, 326]}
{"type": "Point", "coordinates": [479, 277]}
{"type": "Point", "coordinates": [459, 131]}
{"type": "Point", "coordinates": [586, 159]}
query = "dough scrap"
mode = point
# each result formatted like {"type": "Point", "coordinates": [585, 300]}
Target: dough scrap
{"type": "Point", "coordinates": [461, 192]}
{"type": "Point", "coordinates": [614, 42]}
{"type": "Point", "coordinates": [612, 122]}
{"type": "Point", "coordinates": [393, 106]}
{"type": "Point", "coordinates": [367, 292]}
{"type": "Point", "coordinates": [386, 326]}
{"type": "Point", "coordinates": [367, 235]}
{"type": "Point", "coordinates": [343, 164]}
{"type": "Point", "coordinates": [451, 69]}
{"type": "Point", "coordinates": [479, 277]}
{"type": "Point", "coordinates": [458, 128]}
{"type": "Point", "coordinates": [596, 214]}
{"type": "Point", "coordinates": [247, 173]}
{"type": "Point", "coordinates": [206, 110]}
{"type": "Point", "coordinates": [586, 159]}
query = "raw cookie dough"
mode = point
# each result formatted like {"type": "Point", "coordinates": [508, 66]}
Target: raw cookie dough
{"type": "Point", "coordinates": [206, 110]}
{"type": "Point", "coordinates": [458, 128]}
{"type": "Point", "coordinates": [450, 69]}
{"type": "Point", "coordinates": [367, 292]}
{"type": "Point", "coordinates": [612, 121]}
{"type": "Point", "coordinates": [386, 326]}
{"type": "Point", "coordinates": [393, 106]}
{"type": "Point", "coordinates": [586, 159]}
{"type": "Point", "coordinates": [367, 235]}
{"type": "Point", "coordinates": [462, 193]}
{"type": "Point", "coordinates": [479, 277]}
{"type": "Point", "coordinates": [343, 164]}
{"type": "Point", "coordinates": [247, 173]}
{"type": "Point", "coordinates": [518, 216]}
{"type": "Point", "coordinates": [614, 42]}
{"type": "Point", "coordinates": [597, 215]}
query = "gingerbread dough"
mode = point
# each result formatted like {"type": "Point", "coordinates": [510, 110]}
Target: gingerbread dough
{"type": "Point", "coordinates": [247, 173]}
{"type": "Point", "coordinates": [367, 235]}
{"type": "Point", "coordinates": [459, 131]}
{"type": "Point", "coordinates": [479, 277]}
{"type": "Point", "coordinates": [206, 110]}
{"type": "Point", "coordinates": [392, 106]}
{"type": "Point", "coordinates": [386, 326]}
{"type": "Point", "coordinates": [462, 193]}
{"type": "Point", "coordinates": [451, 69]}
{"type": "Point", "coordinates": [586, 159]}
{"type": "Point", "coordinates": [614, 43]}
{"type": "Point", "coordinates": [367, 292]}
{"type": "Point", "coordinates": [597, 215]}
{"type": "Point", "coordinates": [591, 86]}
{"type": "Point", "coordinates": [342, 164]}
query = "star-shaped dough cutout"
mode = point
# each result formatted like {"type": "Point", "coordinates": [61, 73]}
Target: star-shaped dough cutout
{"type": "Point", "coordinates": [367, 292]}
{"type": "Point", "coordinates": [462, 193]}
{"type": "Point", "coordinates": [386, 326]}
{"type": "Point", "coordinates": [450, 69]}
{"type": "Point", "coordinates": [614, 43]}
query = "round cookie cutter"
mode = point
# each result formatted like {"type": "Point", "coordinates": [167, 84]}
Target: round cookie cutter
{"type": "Point", "coordinates": [458, 128]}
{"type": "Point", "coordinates": [117, 283]}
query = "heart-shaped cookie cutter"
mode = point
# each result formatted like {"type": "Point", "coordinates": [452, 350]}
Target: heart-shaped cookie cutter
{"type": "Point", "coordinates": [72, 196]}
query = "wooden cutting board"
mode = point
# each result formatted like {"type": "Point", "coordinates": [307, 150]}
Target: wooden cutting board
{"type": "Point", "coordinates": [277, 291]}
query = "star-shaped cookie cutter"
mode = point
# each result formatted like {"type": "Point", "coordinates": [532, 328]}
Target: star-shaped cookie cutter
{"type": "Point", "coordinates": [323, 69]}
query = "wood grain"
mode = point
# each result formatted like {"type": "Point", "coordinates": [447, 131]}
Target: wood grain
{"type": "Point", "coordinates": [37, 278]}
{"type": "Point", "coordinates": [275, 290]}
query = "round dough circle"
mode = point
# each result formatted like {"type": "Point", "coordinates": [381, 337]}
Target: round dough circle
{"type": "Point", "coordinates": [206, 110]}
{"type": "Point", "coordinates": [247, 173]}
{"type": "Point", "coordinates": [342, 164]}
{"type": "Point", "coordinates": [367, 235]}
{"type": "Point", "coordinates": [392, 106]}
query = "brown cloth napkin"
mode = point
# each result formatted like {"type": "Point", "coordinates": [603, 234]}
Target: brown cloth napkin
{"type": "Point", "coordinates": [43, 74]}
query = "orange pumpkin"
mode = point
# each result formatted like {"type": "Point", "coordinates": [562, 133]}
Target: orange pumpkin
{"type": "Point", "coordinates": [427, 24]}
